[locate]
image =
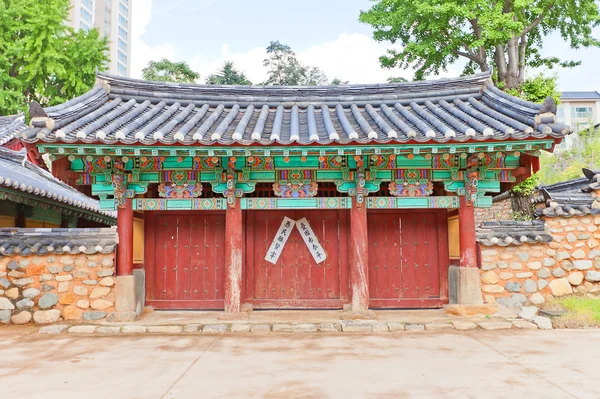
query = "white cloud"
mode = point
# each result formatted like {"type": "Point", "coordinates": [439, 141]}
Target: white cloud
{"type": "Point", "coordinates": [250, 62]}
{"type": "Point", "coordinates": [141, 52]}
{"type": "Point", "coordinates": [353, 57]}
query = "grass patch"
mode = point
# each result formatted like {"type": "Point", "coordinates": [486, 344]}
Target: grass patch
{"type": "Point", "coordinates": [581, 311]}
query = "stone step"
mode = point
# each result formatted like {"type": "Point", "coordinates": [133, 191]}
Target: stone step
{"type": "Point", "coordinates": [344, 326]}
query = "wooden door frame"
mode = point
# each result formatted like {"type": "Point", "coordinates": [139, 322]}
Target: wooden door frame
{"type": "Point", "coordinates": [149, 265]}
{"type": "Point", "coordinates": [248, 268]}
{"type": "Point", "coordinates": [443, 260]}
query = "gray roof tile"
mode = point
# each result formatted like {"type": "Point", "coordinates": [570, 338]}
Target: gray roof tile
{"type": "Point", "coordinates": [17, 241]}
{"type": "Point", "coordinates": [509, 232]}
{"type": "Point", "coordinates": [10, 127]}
{"type": "Point", "coordinates": [572, 197]}
{"type": "Point", "coordinates": [129, 111]}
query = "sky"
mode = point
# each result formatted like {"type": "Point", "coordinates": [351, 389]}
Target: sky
{"type": "Point", "coordinates": [323, 33]}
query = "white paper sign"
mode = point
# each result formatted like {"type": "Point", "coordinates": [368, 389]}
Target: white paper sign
{"type": "Point", "coordinates": [284, 232]}
{"type": "Point", "coordinates": [311, 240]}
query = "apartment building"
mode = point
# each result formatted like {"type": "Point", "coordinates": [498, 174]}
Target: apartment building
{"type": "Point", "coordinates": [580, 110]}
{"type": "Point", "coordinates": [112, 18]}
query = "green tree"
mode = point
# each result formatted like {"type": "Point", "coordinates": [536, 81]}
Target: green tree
{"type": "Point", "coordinates": [228, 75]}
{"type": "Point", "coordinates": [41, 58]}
{"type": "Point", "coordinates": [396, 79]}
{"type": "Point", "coordinates": [169, 71]}
{"type": "Point", "coordinates": [338, 82]}
{"type": "Point", "coordinates": [283, 68]}
{"type": "Point", "coordinates": [435, 33]}
{"type": "Point", "coordinates": [537, 88]}
{"type": "Point", "coordinates": [567, 164]}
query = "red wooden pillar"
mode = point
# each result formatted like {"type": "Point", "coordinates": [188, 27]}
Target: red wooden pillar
{"type": "Point", "coordinates": [359, 257]}
{"type": "Point", "coordinates": [125, 232]}
{"type": "Point", "coordinates": [468, 246]}
{"type": "Point", "coordinates": [233, 257]}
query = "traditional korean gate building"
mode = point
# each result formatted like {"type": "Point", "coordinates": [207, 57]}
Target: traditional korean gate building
{"type": "Point", "coordinates": [298, 197]}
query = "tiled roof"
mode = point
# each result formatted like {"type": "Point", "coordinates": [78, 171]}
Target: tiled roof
{"type": "Point", "coordinates": [59, 241]}
{"type": "Point", "coordinates": [20, 175]}
{"type": "Point", "coordinates": [508, 232]}
{"type": "Point", "coordinates": [10, 127]}
{"type": "Point", "coordinates": [580, 95]}
{"type": "Point", "coordinates": [572, 197]}
{"type": "Point", "coordinates": [129, 111]}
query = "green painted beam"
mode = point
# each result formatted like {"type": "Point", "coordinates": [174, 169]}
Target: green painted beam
{"type": "Point", "coordinates": [433, 202]}
{"type": "Point", "coordinates": [184, 151]}
{"type": "Point", "coordinates": [483, 202]}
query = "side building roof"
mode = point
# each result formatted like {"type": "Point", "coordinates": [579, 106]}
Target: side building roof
{"type": "Point", "coordinates": [135, 112]}
{"type": "Point", "coordinates": [572, 197]}
{"type": "Point", "coordinates": [17, 241]}
{"type": "Point", "coordinates": [580, 95]}
{"type": "Point", "coordinates": [10, 127]}
{"type": "Point", "coordinates": [20, 177]}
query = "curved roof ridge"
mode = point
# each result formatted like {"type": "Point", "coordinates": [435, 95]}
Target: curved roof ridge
{"type": "Point", "coordinates": [118, 81]}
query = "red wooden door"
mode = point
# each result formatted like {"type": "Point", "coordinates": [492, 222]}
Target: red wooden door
{"type": "Point", "coordinates": [408, 259]}
{"type": "Point", "coordinates": [185, 268]}
{"type": "Point", "coordinates": [296, 280]}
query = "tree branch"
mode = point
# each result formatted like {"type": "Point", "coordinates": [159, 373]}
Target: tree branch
{"type": "Point", "coordinates": [536, 21]}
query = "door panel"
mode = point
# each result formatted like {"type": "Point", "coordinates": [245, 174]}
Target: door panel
{"type": "Point", "coordinates": [296, 280]}
{"type": "Point", "coordinates": [406, 254]}
{"type": "Point", "coordinates": [187, 261]}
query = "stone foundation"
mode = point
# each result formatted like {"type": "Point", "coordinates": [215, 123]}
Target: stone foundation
{"type": "Point", "coordinates": [46, 289]}
{"type": "Point", "coordinates": [516, 274]}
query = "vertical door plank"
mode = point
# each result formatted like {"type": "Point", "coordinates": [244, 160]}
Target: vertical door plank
{"type": "Point", "coordinates": [171, 258]}
{"type": "Point", "coordinates": [408, 249]}
{"type": "Point", "coordinates": [219, 269]}
{"type": "Point", "coordinates": [160, 263]}
{"type": "Point", "coordinates": [433, 278]}
{"type": "Point", "coordinates": [394, 257]}
{"type": "Point", "coordinates": [331, 244]}
{"type": "Point", "coordinates": [273, 271]}
{"type": "Point", "coordinates": [196, 258]}
{"type": "Point", "coordinates": [184, 259]}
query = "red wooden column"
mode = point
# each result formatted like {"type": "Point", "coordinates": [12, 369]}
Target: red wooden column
{"type": "Point", "coordinates": [359, 257]}
{"type": "Point", "coordinates": [233, 257]}
{"type": "Point", "coordinates": [125, 232]}
{"type": "Point", "coordinates": [468, 246]}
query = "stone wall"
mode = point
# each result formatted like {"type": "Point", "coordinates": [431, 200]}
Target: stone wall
{"type": "Point", "coordinates": [538, 272]}
{"type": "Point", "coordinates": [500, 210]}
{"type": "Point", "coordinates": [44, 289]}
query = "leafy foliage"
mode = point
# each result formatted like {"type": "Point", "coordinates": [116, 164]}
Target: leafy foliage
{"type": "Point", "coordinates": [283, 68]}
{"type": "Point", "coordinates": [338, 82]}
{"type": "Point", "coordinates": [527, 186]}
{"type": "Point", "coordinates": [168, 71]}
{"type": "Point", "coordinates": [41, 58]}
{"type": "Point", "coordinates": [396, 79]}
{"type": "Point", "coordinates": [228, 75]}
{"type": "Point", "coordinates": [536, 89]}
{"type": "Point", "coordinates": [509, 35]}
{"type": "Point", "coordinates": [567, 164]}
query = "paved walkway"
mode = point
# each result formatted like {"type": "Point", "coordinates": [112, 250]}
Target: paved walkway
{"type": "Point", "coordinates": [448, 364]}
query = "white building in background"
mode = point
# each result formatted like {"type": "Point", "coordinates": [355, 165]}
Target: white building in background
{"type": "Point", "coordinates": [112, 18]}
{"type": "Point", "coordinates": [580, 110]}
